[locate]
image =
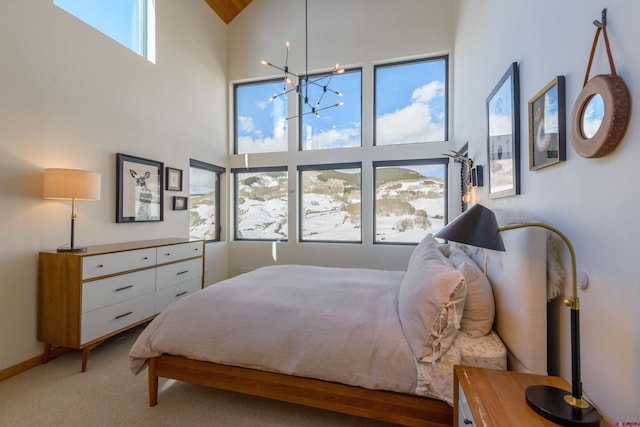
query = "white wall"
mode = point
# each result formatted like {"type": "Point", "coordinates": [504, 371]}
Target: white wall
{"type": "Point", "coordinates": [354, 34]}
{"type": "Point", "coordinates": [71, 97]}
{"type": "Point", "coordinates": [594, 201]}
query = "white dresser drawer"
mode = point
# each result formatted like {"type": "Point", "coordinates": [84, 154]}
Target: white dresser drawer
{"type": "Point", "coordinates": [465, 418]}
{"type": "Point", "coordinates": [175, 292]}
{"type": "Point", "coordinates": [98, 323]}
{"type": "Point", "coordinates": [179, 272]}
{"type": "Point", "coordinates": [171, 253]}
{"type": "Point", "coordinates": [118, 262]}
{"type": "Point", "coordinates": [104, 292]}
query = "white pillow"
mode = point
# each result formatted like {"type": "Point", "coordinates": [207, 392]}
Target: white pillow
{"type": "Point", "coordinates": [430, 301]}
{"type": "Point", "coordinates": [479, 307]}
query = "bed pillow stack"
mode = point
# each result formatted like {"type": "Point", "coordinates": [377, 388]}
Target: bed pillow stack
{"type": "Point", "coordinates": [479, 307]}
{"type": "Point", "coordinates": [430, 301]}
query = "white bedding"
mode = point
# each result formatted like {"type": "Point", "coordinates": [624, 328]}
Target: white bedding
{"type": "Point", "coordinates": [436, 379]}
{"type": "Point", "coordinates": [335, 324]}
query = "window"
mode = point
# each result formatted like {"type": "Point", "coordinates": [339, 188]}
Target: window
{"type": "Point", "coordinates": [260, 123]}
{"type": "Point", "coordinates": [333, 126]}
{"type": "Point", "coordinates": [204, 201]}
{"type": "Point", "coordinates": [411, 101]}
{"type": "Point", "coordinates": [330, 203]}
{"type": "Point", "coordinates": [411, 199]}
{"type": "Point", "coordinates": [132, 23]}
{"type": "Point", "coordinates": [409, 196]}
{"type": "Point", "coordinates": [261, 203]}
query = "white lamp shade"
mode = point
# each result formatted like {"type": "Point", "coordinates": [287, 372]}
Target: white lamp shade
{"type": "Point", "coordinates": [68, 184]}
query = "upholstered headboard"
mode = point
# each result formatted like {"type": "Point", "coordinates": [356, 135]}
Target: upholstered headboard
{"type": "Point", "coordinates": [519, 280]}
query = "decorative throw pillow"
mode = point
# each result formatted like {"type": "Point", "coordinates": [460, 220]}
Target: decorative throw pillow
{"type": "Point", "coordinates": [479, 307]}
{"type": "Point", "coordinates": [430, 301]}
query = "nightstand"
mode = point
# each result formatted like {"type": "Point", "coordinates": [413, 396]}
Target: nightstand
{"type": "Point", "coordinates": [487, 397]}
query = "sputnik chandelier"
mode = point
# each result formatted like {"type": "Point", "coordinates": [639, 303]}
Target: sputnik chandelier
{"type": "Point", "coordinates": [321, 81]}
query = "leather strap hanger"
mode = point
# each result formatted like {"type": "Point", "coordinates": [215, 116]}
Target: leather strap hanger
{"type": "Point", "coordinates": [602, 27]}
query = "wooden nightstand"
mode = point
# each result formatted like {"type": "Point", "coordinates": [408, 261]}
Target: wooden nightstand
{"type": "Point", "coordinates": [486, 397]}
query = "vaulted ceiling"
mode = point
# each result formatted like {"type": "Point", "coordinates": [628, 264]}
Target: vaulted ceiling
{"type": "Point", "coordinates": [227, 9]}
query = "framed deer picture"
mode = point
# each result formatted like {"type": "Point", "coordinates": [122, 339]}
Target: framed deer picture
{"type": "Point", "coordinates": [139, 189]}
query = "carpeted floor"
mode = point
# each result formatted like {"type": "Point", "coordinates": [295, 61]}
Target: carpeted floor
{"type": "Point", "coordinates": [108, 394]}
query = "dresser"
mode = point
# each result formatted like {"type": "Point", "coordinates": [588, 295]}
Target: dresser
{"type": "Point", "coordinates": [86, 297]}
{"type": "Point", "coordinates": [487, 397]}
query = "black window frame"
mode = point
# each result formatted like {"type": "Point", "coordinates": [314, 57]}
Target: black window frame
{"type": "Point", "coordinates": [446, 97]}
{"type": "Point", "coordinates": [319, 167]}
{"type": "Point", "coordinates": [235, 172]}
{"type": "Point", "coordinates": [424, 161]}
{"type": "Point", "coordinates": [219, 171]}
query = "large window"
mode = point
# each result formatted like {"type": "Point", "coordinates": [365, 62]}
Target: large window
{"type": "Point", "coordinates": [325, 112]}
{"type": "Point", "coordinates": [132, 23]}
{"type": "Point", "coordinates": [411, 101]}
{"type": "Point", "coordinates": [330, 203]}
{"type": "Point", "coordinates": [260, 117]}
{"type": "Point", "coordinates": [261, 203]}
{"type": "Point", "coordinates": [204, 201]}
{"type": "Point", "coordinates": [411, 199]}
{"type": "Point", "coordinates": [337, 101]}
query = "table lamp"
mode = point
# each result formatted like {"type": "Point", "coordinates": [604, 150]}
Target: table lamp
{"type": "Point", "coordinates": [478, 227]}
{"type": "Point", "coordinates": [71, 184]}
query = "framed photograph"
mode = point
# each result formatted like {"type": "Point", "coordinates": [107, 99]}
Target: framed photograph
{"type": "Point", "coordinates": [174, 179]}
{"type": "Point", "coordinates": [547, 126]}
{"type": "Point", "coordinates": [503, 135]}
{"type": "Point", "coordinates": [179, 203]}
{"type": "Point", "coordinates": [138, 189]}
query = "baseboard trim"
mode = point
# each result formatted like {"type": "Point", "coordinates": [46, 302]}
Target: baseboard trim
{"type": "Point", "coordinates": [31, 363]}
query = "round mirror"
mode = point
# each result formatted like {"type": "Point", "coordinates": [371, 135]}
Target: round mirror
{"type": "Point", "coordinates": [592, 115]}
{"type": "Point", "coordinates": [599, 116]}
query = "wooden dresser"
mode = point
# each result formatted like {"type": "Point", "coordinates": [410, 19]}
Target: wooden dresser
{"type": "Point", "coordinates": [86, 297]}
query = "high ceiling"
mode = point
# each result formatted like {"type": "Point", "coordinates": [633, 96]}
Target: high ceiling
{"type": "Point", "coordinates": [227, 9]}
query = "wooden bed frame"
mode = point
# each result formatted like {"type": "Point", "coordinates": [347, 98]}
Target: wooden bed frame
{"type": "Point", "coordinates": [405, 409]}
{"type": "Point", "coordinates": [518, 278]}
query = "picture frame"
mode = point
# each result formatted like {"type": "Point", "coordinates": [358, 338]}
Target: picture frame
{"type": "Point", "coordinates": [503, 135]}
{"type": "Point", "coordinates": [548, 126]}
{"type": "Point", "coordinates": [180, 203]}
{"type": "Point", "coordinates": [174, 179]}
{"type": "Point", "coordinates": [139, 195]}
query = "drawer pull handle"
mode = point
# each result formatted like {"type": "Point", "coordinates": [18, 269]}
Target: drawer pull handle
{"type": "Point", "coordinates": [123, 315]}
{"type": "Point", "coordinates": [123, 288]}
{"type": "Point", "coordinates": [167, 254]}
{"type": "Point", "coordinates": [182, 272]}
{"type": "Point", "coordinates": [145, 258]}
{"type": "Point", "coordinates": [467, 421]}
{"type": "Point", "coordinates": [100, 265]}
{"type": "Point", "coordinates": [181, 293]}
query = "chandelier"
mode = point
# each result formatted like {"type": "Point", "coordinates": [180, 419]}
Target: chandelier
{"type": "Point", "coordinates": [305, 81]}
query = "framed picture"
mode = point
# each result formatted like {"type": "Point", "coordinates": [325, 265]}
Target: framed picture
{"type": "Point", "coordinates": [139, 189]}
{"type": "Point", "coordinates": [503, 135]}
{"type": "Point", "coordinates": [179, 203]}
{"type": "Point", "coordinates": [547, 126]}
{"type": "Point", "coordinates": [174, 179]}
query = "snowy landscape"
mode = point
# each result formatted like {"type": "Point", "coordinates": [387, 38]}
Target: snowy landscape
{"type": "Point", "coordinates": [408, 206]}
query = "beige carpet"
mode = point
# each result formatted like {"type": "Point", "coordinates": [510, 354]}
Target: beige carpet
{"type": "Point", "coordinates": [57, 394]}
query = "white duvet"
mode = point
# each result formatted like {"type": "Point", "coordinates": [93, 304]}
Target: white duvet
{"type": "Point", "coordinates": [334, 324]}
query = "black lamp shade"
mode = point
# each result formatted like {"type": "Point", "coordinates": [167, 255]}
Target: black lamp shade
{"type": "Point", "coordinates": [475, 227]}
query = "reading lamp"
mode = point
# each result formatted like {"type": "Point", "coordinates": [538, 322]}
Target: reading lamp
{"type": "Point", "coordinates": [71, 184]}
{"type": "Point", "coordinates": [478, 227]}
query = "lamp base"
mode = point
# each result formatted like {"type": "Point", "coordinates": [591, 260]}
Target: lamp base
{"type": "Point", "coordinates": [550, 402]}
{"type": "Point", "coordinates": [72, 249]}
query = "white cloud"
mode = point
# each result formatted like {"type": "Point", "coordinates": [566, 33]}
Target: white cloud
{"type": "Point", "coordinates": [413, 123]}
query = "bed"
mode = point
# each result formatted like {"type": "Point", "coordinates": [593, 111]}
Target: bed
{"type": "Point", "coordinates": [385, 351]}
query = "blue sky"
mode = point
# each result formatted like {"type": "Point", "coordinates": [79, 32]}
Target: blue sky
{"type": "Point", "coordinates": [117, 19]}
{"type": "Point", "coordinates": [410, 107]}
